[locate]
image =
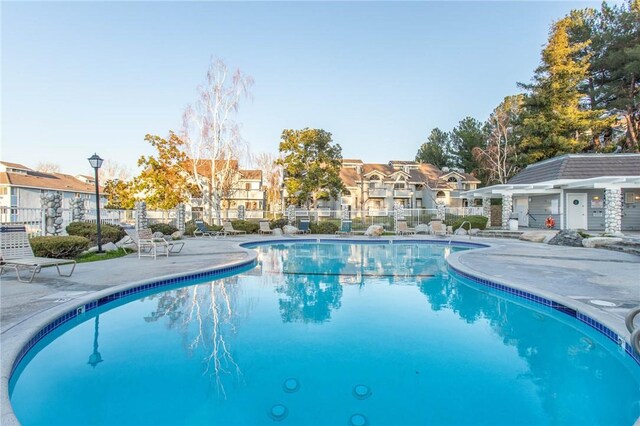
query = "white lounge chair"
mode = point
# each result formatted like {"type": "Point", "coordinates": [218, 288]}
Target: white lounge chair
{"type": "Point", "coordinates": [403, 229]}
{"type": "Point", "coordinates": [436, 227]}
{"type": "Point", "coordinates": [264, 228]}
{"type": "Point", "coordinates": [16, 253]}
{"type": "Point", "coordinates": [152, 246]}
{"type": "Point", "coordinates": [227, 228]}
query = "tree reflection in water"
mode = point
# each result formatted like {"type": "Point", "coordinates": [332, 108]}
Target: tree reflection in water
{"type": "Point", "coordinates": [206, 316]}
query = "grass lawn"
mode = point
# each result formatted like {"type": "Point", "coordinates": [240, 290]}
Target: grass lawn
{"type": "Point", "coordinates": [94, 257]}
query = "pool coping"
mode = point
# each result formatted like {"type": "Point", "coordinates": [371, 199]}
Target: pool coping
{"type": "Point", "coordinates": [31, 330]}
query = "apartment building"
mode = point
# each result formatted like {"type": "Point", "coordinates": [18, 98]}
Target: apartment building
{"type": "Point", "coordinates": [410, 184]}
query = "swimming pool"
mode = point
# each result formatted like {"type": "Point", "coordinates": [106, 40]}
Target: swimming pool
{"type": "Point", "coordinates": [328, 334]}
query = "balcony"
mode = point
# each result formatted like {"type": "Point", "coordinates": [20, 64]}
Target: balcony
{"type": "Point", "coordinates": [402, 193]}
{"type": "Point", "coordinates": [377, 193]}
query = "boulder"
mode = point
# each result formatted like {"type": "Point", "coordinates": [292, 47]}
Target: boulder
{"type": "Point", "coordinates": [374, 231]}
{"type": "Point", "coordinates": [277, 231]}
{"type": "Point", "coordinates": [600, 241]}
{"type": "Point", "coordinates": [569, 237]}
{"type": "Point", "coordinates": [536, 236]}
{"type": "Point", "coordinates": [288, 229]}
{"type": "Point", "coordinates": [158, 235]}
{"type": "Point", "coordinates": [474, 231]}
{"type": "Point", "coordinates": [176, 235]}
{"type": "Point", "coordinates": [422, 229]}
{"type": "Point", "coordinates": [109, 247]}
{"type": "Point", "coordinates": [460, 231]}
{"type": "Point", "coordinates": [123, 242]}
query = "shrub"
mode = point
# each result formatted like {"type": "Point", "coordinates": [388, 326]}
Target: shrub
{"type": "Point", "coordinates": [190, 226]}
{"type": "Point", "coordinates": [476, 222]}
{"type": "Point", "coordinates": [324, 227]}
{"type": "Point", "coordinates": [60, 247]}
{"type": "Point", "coordinates": [278, 223]}
{"type": "Point", "coordinates": [245, 225]}
{"type": "Point", "coordinates": [109, 233]}
{"type": "Point", "coordinates": [165, 228]}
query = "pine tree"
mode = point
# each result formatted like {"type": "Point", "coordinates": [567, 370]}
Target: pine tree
{"type": "Point", "coordinates": [436, 150]}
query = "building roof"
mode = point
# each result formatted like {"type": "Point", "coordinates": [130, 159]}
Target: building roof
{"type": "Point", "coordinates": [50, 181]}
{"type": "Point", "coordinates": [579, 166]}
{"type": "Point", "coordinates": [251, 174]}
{"type": "Point", "coordinates": [349, 161]}
{"type": "Point", "coordinates": [14, 165]}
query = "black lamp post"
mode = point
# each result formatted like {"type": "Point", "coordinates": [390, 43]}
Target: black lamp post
{"type": "Point", "coordinates": [96, 162]}
{"type": "Point", "coordinates": [95, 358]}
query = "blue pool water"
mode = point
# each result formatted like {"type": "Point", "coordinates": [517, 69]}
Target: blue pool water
{"type": "Point", "coordinates": [328, 334]}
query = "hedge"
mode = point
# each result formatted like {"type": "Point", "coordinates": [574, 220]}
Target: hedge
{"type": "Point", "coordinates": [108, 233]}
{"type": "Point", "coordinates": [165, 228]}
{"type": "Point", "coordinates": [278, 223]}
{"type": "Point", "coordinates": [479, 222]}
{"type": "Point", "coordinates": [324, 227]}
{"type": "Point", "coordinates": [245, 225]}
{"type": "Point", "coordinates": [59, 247]}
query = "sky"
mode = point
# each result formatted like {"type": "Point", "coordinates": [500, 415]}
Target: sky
{"type": "Point", "coordinates": [84, 77]}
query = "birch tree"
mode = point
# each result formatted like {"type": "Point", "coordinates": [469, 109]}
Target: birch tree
{"type": "Point", "coordinates": [499, 157]}
{"type": "Point", "coordinates": [212, 136]}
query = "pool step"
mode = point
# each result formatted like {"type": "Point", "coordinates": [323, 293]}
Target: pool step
{"type": "Point", "coordinates": [499, 233]}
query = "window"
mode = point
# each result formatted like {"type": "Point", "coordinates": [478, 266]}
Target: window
{"type": "Point", "coordinates": [441, 194]}
{"type": "Point", "coordinates": [14, 197]}
{"type": "Point", "coordinates": [4, 190]}
{"type": "Point", "coordinates": [398, 185]}
{"type": "Point", "coordinates": [452, 179]}
{"type": "Point", "coordinates": [247, 186]}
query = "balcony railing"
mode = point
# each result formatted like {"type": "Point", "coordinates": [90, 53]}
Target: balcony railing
{"type": "Point", "coordinates": [377, 193]}
{"type": "Point", "coordinates": [402, 193]}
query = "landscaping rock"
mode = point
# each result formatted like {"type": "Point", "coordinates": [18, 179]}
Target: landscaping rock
{"type": "Point", "coordinates": [288, 229]}
{"type": "Point", "coordinates": [422, 229]}
{"type": "Point", "coordinates": [158, 235]}
{"type": "Point", "coordinates": [569, 237]}
{"type": "Point", "coordinates": [374, 231]}
{"type": "Point", "coordinates": [277, 231]}
{"type": "Point", "coordinates": [109, 247]}
{"type": "Point", "coordinates": [600, 241]}
{"type": "Point", "coordinates": [474, 231]}
{"type": "Point", "coordinates": [176, 235]}
{"type": "Point", "coordinates": [536, 236]}
{"type": "Point", "coordinates": [460, 231]}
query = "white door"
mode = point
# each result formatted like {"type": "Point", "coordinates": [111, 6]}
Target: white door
{"type": "Point", "coordinates": [577, 211]}
{"type": "Point", "coordinates": [521, 206]}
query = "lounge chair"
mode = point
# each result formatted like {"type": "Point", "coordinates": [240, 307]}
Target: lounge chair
{"type": "Point", "coordinates": [345, 228]}
{"type": "Point", "coordinates": [436, 227]}
{"type": "Point", "coordinates": [202, 230]}
{"type": "Point", "coordinates": [227, 228]}
{"type": "Point", "coordinates": [16, 253]}
{"type": "Point", "coordinates": [403, 229]}
{"type": "Point", "coordinates": [304, 226]}
{"type": "Point", "coordinates": [264, 228]}
{"type": "Point", "coordinates": [147, 243]}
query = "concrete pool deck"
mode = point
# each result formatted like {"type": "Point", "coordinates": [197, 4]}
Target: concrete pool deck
{"type": "Point", "coordinates": [577, 277]}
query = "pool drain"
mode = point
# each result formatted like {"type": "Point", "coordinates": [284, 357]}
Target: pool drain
{"type": "Point", "coordinates": [361, 391]}
{"type": "Point", "coordinates": [278, 412]}
{"type": "Point", "coordinates": [358, 420]}
{"type": "Point", "coordinates": [603, 303]}
{"type": "Point", "coordinates": [291, 385]}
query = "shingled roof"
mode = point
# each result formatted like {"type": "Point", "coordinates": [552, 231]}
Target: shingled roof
{"type": "Point", "coordinates": [579, 166]}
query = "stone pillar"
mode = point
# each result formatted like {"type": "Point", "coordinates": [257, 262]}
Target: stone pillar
{"type": "Point", "coordinates": [291, 214]}
{"type": "Point", "coordinates": [507, 207]}
{"type": "Point", "coordinates": [345, 212]}
{"type": "Point", "coordinates": [486, 209]}
{"type": "Point", "coordinates": [77, 209]}
{"type": "Point", "coordinates": [141, 215]}
{"type": "Point", "coordinates": [241, 212]}
{"type": "Point", "coordinates": [612, 210]}
{"type": "Point", "coordinates": [398, 214]}
{"type": "Point", "coordinates": [181, 219]}
{"type": "Point", "coordinates": [441, 212]}
{"type": "Point", "coordinates": [51, 203]}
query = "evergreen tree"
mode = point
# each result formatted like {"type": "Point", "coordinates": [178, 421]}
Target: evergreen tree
{"type": "Point", "coordinates": [465, 137]}
{"type": "Point", "coordinates": [555, 119]}
{"type": "Point", "coordinates": [436, 150]}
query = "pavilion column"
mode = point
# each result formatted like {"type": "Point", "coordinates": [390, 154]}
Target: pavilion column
{"type": "Point", "coordinates": [507, 207]}
{"type": "Point", "coordinates": [486, 209]}
{"type": "Point", "coordinates": [612, 210]}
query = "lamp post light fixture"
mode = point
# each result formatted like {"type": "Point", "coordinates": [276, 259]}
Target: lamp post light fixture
{"type": "Point", "coordinates": [96, 163]}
